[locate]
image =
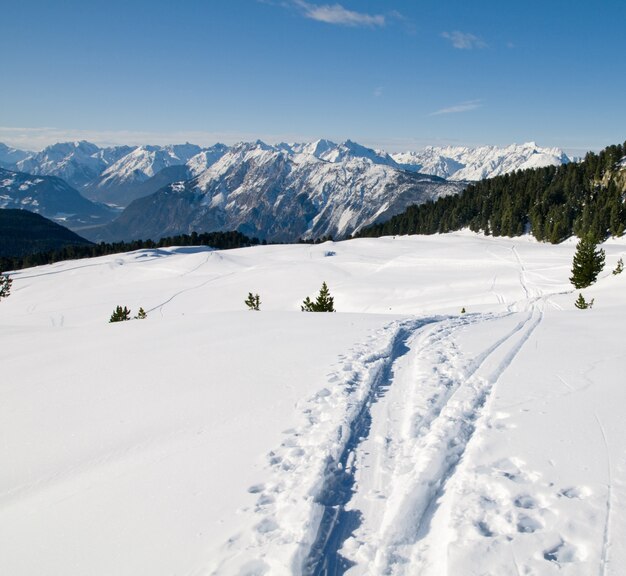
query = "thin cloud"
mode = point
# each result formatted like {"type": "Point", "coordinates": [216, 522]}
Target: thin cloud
{"type": "Point", "coordinates": [462, 107]}
{"type": "Point", "coordinates": [337, 14]}
{"type": "Point", "coordinates": [464, 40]}
{"type": "Point", "coordinates": [38, 138]}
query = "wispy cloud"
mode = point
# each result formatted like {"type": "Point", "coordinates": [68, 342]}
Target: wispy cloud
{"type": "Point", "coordinates": [378, 92]}
{"type": "Point", "coordinates": [462, 107]}
{"type": "Point", "coordinates": [337, 14]}
{"type": "Point", "coordinates": [464, 40]}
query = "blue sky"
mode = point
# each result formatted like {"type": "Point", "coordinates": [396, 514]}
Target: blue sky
{"type": "Point", "coordinates": [397, 75]}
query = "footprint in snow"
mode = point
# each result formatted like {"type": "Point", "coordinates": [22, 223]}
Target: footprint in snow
{"type": "Point", "coordinates": [564, 553]}
{"type": "Point", "coordinates": [575, 492]}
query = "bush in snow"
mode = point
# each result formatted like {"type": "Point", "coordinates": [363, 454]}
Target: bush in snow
{"type": "Point", "coordinates": [120, 314]}
{"type": "Point", "coordinates": [253, 301]}
{"type": "Point", "coordinates": [141, 315]}
{"type": "Point", "coordinates": [323, 303]}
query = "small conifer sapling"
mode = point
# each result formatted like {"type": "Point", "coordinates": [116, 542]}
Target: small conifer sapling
{"type": "Point", "coordinates": [581, 303]}
{"type": "Point", "coordinates": [120, 314]}
{"type": "Point", "coordinates": [141, 315]}
{"type": "Point", "coordinates": [5, 285]}
{"type": "Point", "coordinates": [253, 301]}
{"type": "Point", "coordinates": [323, 303]}
{"type": "Point", "coordinates": [619, 267]}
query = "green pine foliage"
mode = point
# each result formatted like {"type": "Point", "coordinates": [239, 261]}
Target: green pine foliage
{"type": "Point", "coordinates": [5, 286]}
{"type": "Point", "coordinates": [581, 303]}
{"type": "Point", "coordinates": [141, 315]}
{"type": "Point", "coordinates": [619, 267]}
{"type": "Point", "coordinates": [588, 262]}
{"type": "Point", "coordinates": [253, 302]}
{"type": "Point", "coordinates": [552, 203]}
{"type": "Point", "coordinates": [323, 303]}
{"type": "Point", "coordinates": [120, 314]}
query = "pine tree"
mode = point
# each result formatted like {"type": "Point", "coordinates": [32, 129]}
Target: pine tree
{"type": "Point", "coordinates": [120, 314]}
{"type": "Point", "coordinates": [619, 267]}
{"type": "Point", "coordinates": [253, 301]}
{"type": "Point", "coordinates": [582, 304]}
{"type": "Point", "coordinates": [323, 303]}
{"type": "Point", "coordinates": [5, 285]}
{"type": "Point", "coordinates": [588, 262]}
{"type": "Point", "coordinates": [141, 315]}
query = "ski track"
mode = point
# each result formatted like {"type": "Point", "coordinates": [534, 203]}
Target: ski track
{"type": "Point", "coordinates": [431, 455]}
{"type": "Point", "coordinates": [606, 538]}
{"type": "Point", "coordinates": [312, 472]}
{"type": "Point", "coordinates": [314, 459]}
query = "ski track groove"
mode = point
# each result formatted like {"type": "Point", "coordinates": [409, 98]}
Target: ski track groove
{"type": "Point", "coordinates": [606, 537]}
{"type": "Point", "coordinates": [415, 510]}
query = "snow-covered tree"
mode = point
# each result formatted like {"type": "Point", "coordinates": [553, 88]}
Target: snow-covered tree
{"type": "Point", "coordinates": [141, 315]}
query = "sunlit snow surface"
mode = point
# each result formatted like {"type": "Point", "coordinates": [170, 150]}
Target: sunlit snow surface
{"type": "Point", "coordinates": [209, 439]}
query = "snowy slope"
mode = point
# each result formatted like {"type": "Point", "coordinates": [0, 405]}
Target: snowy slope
{"type": "Point", "coordinates": [208, 439]}
{"type": "Point", "coordinates": [462, 163]}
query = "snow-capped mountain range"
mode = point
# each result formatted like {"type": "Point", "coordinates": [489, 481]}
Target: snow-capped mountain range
{"type": "Point", "coordinates": [462, 163]}
{"type": "Point", "coordinates": [281, 193]}
{"type": "Point", "coordinates": [98, 172]}
{"type": "Point", "coordinates": [78, 163]}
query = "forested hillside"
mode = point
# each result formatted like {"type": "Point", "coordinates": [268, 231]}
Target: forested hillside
{"type": "Point", "coordinates": [23, 232]}
{"type": "Point", "coordinates": [552, 203]}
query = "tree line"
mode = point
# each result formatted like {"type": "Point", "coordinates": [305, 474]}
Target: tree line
{"type": "Point", "coordinates": [217, 240]}
{"type": "Point", "coordinates": [552, 203]}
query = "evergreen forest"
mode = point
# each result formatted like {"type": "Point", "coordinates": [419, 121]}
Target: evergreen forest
{"type": "Point", "coordinates": [552, 203]}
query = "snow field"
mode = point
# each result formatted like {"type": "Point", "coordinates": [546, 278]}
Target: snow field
{"type": "Point", "coordinates": [394, 437]}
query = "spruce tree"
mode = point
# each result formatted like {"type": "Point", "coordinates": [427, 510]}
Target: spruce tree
{"type": "Point", "coordinates": [588, 262]}
{"type": "Point", "coordinates": [5, 285]}
{"type": "Point", "coordinates": [323, 303]}
{"type": "Point", "coordinates": [120, 314]}
{"type": "Point", "coordinates": [141, 315]}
